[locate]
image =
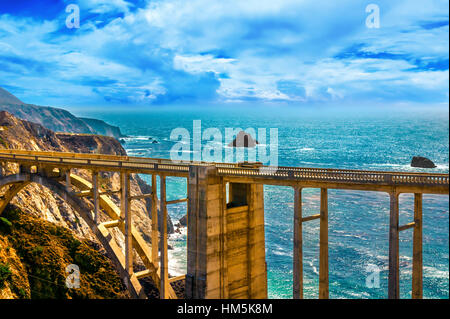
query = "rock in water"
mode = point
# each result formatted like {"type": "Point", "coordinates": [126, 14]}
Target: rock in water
{"type": "Point", "coordinates": [243, 139]}
{"type": "Point", "coordinates": [183, 221]}
{"type": "Point", "coordinates": [423, 162]}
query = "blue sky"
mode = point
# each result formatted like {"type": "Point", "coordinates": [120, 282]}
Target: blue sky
{"type": "Point", "coordinates": [160, 52]}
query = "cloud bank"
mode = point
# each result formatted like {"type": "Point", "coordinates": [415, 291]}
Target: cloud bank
{"type": "Point", "coordinates": [203, 51]}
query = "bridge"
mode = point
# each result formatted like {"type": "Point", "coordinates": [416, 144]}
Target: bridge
{"type": "Point", "coordinates": [225, 232]}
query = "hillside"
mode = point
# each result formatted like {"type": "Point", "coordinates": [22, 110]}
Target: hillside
{"type": "Point", "coordinates": [24, 135]}
{"type": "Point", "coordinates": [34, 255]}
{"type": "Point", "coordinates": [56, 119]}
{"type": "Point", "coordinates": [37, 201]}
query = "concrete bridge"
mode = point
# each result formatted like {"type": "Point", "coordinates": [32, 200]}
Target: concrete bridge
{"type": "Point", "coordinates": [225, 241]}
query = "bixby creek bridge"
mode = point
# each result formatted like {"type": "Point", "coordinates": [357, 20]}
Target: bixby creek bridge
{"type": "Point", "coordinates": [225, 204]}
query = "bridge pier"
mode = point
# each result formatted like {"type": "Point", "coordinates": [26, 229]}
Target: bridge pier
{"type": "Point", "coordinates": [154, 213]}
{"type": "Point", "coordinates": [394, 275]}
{"type": "Point", "coordinates": [125, 216]}
{"type": "Point", "coordinates": [95, 195]}
{"type": "Point", "coordinates": [298, 244]}
{"type": "Point", "coordinates": [164, 267]}
{"type": "Point", "coordinates": [323, 261]}
{"type": "Point", "coordinates": [417, 269]}
{"type": "Point", "coordinates": [226, 244]}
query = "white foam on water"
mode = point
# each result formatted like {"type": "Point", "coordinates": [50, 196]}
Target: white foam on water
{"type": "Point", "coordinates": [177, 255]}
{"type": "Point", "coordinates": [435, 272]}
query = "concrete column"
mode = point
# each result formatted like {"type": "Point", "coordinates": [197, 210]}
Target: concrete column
{"type": "Point", "coordinates": [155, 235]}
{"type": "Point", "coordinates": [256, 247]}
{"type": "Point", "coordinates": [204, 266]}
{"type": "Point", "coordinates": [164, 269]}
{"type": "Point", "coordinates": [323, 263]}
{"type": "Point", "coordinates": [68, 184]}
{"type": "Point", "coordinates": [298, 245]}
{"type": "Point", "coordinates": [95, 195]}
{"type": "Point", "coordinates": [226, 247]}
{"type": "Point", "coordinates": [393, 281]}
{"type": "Point", "coordinates": [417, 269]}
{"type": "Point", "coordinates": [125, 215]}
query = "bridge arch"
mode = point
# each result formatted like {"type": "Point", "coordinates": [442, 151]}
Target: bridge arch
{"type": "Point", "coordinates": [19, 181]}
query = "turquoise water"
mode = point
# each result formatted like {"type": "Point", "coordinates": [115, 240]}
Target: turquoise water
{"type": "Point", "coordinates": [358, 225]}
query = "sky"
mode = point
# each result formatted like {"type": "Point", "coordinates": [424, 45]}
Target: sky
{"type": "Point", "coordinates": [227, 52]}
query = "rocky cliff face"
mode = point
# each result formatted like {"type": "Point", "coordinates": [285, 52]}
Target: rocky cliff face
{"type": "Point", "coordinates": [39, 202]}
{"type": "Point", "coordinates": [58, 120]}
{"type": "Point", "coordinates": [103, 128]}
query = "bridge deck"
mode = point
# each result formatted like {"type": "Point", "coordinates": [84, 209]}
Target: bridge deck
{"type": "Point", "coordinates": [283, 176]}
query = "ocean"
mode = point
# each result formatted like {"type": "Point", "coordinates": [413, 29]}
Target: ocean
{"type": "Point", "coordinates": [385, 139]}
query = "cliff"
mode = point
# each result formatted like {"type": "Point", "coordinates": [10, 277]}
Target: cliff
{"type": "Point", "coordinates": [103, 128]}
{"type": "Point", "coordinates": [56, 119]}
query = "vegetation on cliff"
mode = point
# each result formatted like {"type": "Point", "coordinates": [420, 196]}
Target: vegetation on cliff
{"type": "Point", "coordinates": [34, 254]}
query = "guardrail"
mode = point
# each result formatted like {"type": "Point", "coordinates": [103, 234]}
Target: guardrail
{"type": "Point", "coordinates": [228, 169]}
{"type": "Point", "coordinates": [342, 176]}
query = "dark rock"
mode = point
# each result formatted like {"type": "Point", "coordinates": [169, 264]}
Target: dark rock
{"type": "Point", "coordinates": [243, 139]}
{"type": "Point", "coordinates": [122, 141]}
{"type": "Point", "coordinates": [155, 142]}
{"type": "Point", "coordinates": [423, 162]}
{"type": "Point", "coordinates": [183, 221]}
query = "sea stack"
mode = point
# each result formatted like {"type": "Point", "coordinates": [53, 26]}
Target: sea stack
{"type": "Point", "coordinates": [422, 162]}
{"type": "Point", "coordinates": [243, 139]}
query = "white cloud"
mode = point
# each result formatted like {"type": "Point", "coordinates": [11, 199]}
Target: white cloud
{"type": "Point", "coordinates": [249, 47]}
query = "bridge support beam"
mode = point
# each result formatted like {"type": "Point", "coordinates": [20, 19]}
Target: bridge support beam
{"type": "Point", "coordinates": [298, 245]}
{"type": "Point", "coordinates": [393, 281]}
{"type": "Point", "coordinates": [125, 216]}
{"type": "Point", "coordinates": [164, 269]}
{"type": "Point", "coordinates": [417, 269]}
{"type": "Point", "coordinates": [68, 184]}
{"type": "Point", "coordinates": [155, 235]}
{"type": "Point", "coordinates": [95, 195]}
{"type": "Point", "coordinates": [323, 262]}
{"type": "Point", "coordinates": [226, 248]}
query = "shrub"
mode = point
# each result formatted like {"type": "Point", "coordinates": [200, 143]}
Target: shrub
{"type": "Point", "coordinates": [5, 274]}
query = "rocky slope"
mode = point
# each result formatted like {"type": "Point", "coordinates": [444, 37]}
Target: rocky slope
{"type": "Point", "coordinates": [56, 119]}
{"type": "Point", "coordinates": [102, 128]}
{"type": "Point", "coordinates": [34, 255]}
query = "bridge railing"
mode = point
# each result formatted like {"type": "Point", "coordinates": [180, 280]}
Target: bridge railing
{"type": "Point", "coordinates": [346, 176]}
{"type": "Point", "coordinates": [229, 169]}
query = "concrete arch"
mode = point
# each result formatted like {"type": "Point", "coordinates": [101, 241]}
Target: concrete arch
{"type": "Point", "coordinates": [19, 181]}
